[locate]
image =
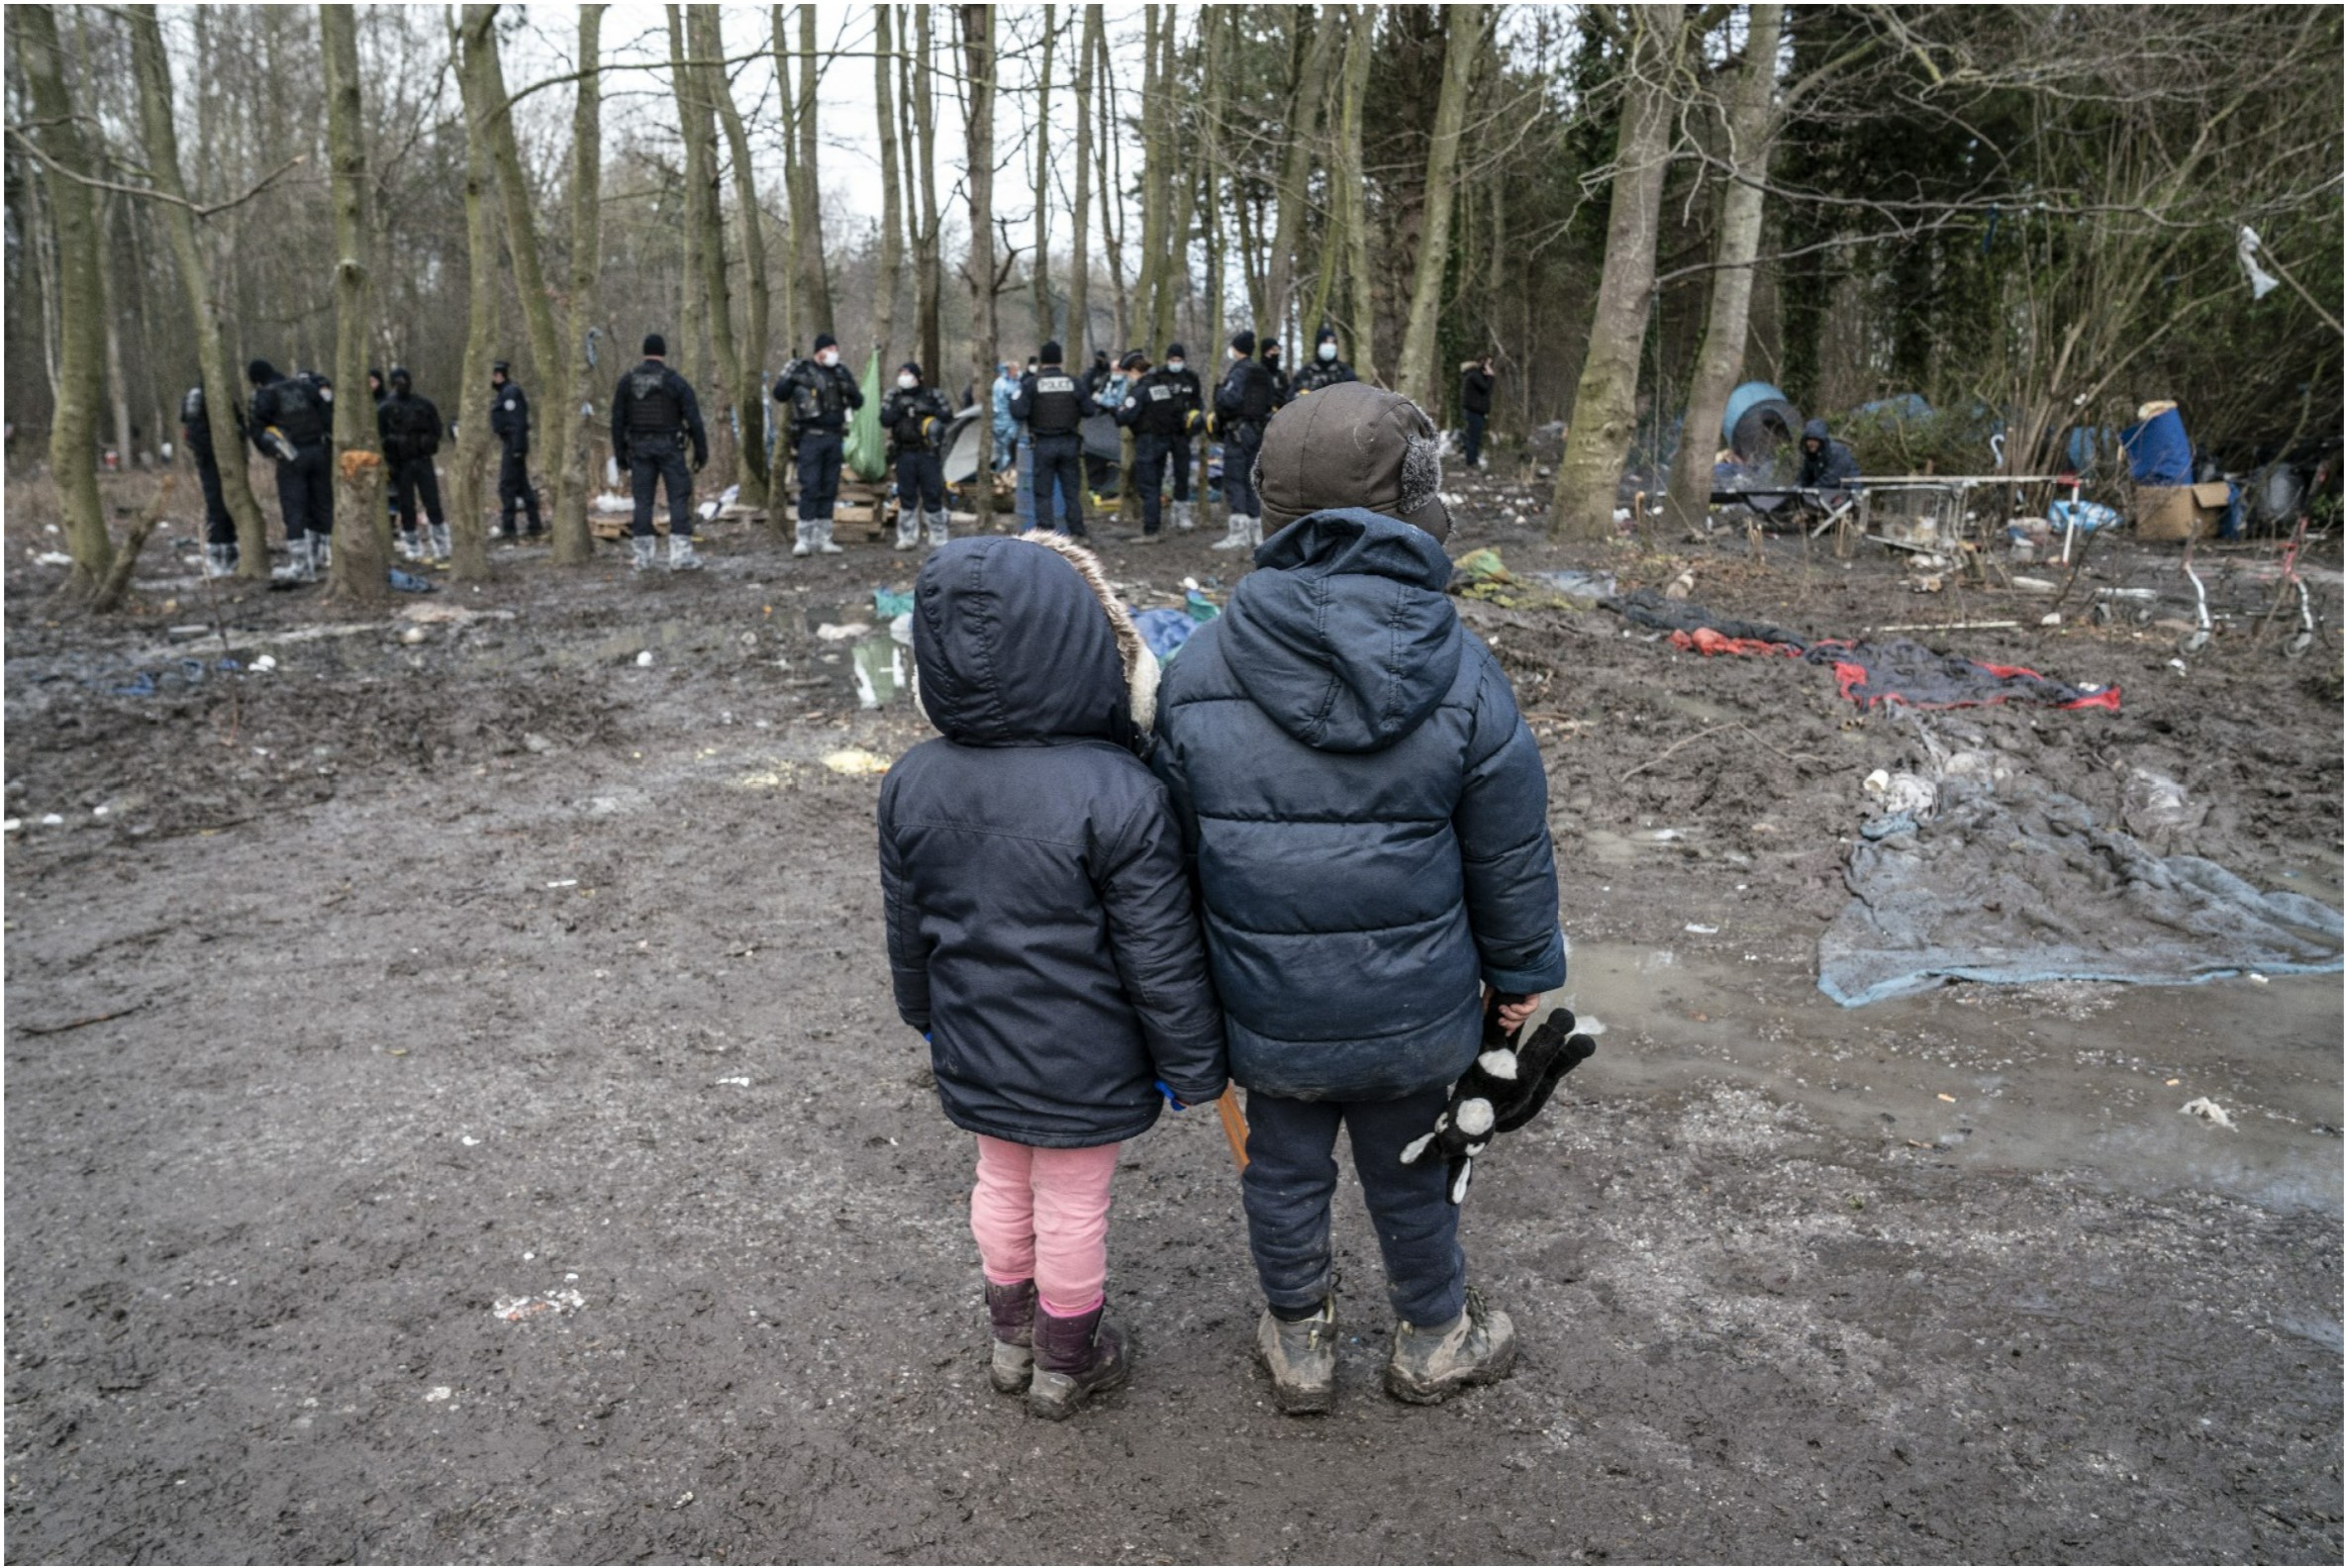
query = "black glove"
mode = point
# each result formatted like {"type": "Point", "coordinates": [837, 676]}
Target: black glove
{"type": "Point", "coordinates": [1504, 1089]}
{"type": "Point", "coordinates": [700, 460]}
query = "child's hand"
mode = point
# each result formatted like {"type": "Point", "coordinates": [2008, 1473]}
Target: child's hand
{"type": "Point", "coordinates": [1516, 1012]}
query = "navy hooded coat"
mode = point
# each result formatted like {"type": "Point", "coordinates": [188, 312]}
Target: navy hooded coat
{"type": "Point", "coordinates": [1368, 813]}
{"type": "Point", "coordinates": [1040, 925]}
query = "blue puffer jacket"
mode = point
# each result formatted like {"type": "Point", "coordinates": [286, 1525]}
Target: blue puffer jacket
{"type": "Point", "coordinates": [1368, 813]}
{"type": "Point", "coordinates": [1040, 925]}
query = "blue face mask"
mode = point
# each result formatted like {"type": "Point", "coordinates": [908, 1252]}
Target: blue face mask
{"type": "Point", "coordinates": [1176, 366]}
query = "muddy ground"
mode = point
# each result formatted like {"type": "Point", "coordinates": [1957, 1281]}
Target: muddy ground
{"type": "Point", "coordinates": [469, 958]}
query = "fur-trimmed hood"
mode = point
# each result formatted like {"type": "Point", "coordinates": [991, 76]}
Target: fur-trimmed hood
{"type": "Point", "coordinates": [1021, 641]}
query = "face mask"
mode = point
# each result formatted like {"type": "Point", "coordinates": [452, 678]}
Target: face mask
{"type": "Point", "coordinates": [828, 357]}
{"type": "Point", "coordinates": [908, 381]}
{"type": "Point", "coordinates": [1328, 350]}
{"type": "Point", "coordinates": [1176, 366]}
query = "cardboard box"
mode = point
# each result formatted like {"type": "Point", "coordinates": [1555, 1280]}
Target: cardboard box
{"type": "Point", "coordinates": [2178, 512]}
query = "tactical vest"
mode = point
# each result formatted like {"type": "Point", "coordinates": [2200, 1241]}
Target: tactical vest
{"type": "Point", "coordinates": [652, 409]}
{"type": "Point", "coordinates": [294, 407]}
{"type": "Point", "coordinates": [1057, 408]}
{"type": "Point", "coordinates": [1254, 398]}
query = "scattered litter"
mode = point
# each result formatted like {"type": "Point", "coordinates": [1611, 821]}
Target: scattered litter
{"type": "Point", "coordinates": [682, 1500]}
{"type": "Point", "coordinates": [263, 664]}
{"type": "Point", "coordinates": [53, 819]}
{"type": "Point", "coordinates": [889, 603]}
{"type": "Point", "coordinates": [532, 741]}
{"type": "Point", "coordinates": [842, 630]}
{"type": "Point", "coordinates": [469, 1141]}
{"type": "Point", "coordinates": [1902, 792]}
{"type": "Point", "coordinates": [11, 825]}
{"type": "Point", "coordinates": [737, 1083]}
{"type": "Point", "coordinates": [2034, 585]}
{"type": "Point", "coordinates": [514, 1309]}
{"type": "Point", "coordinates": [855, 762]}
{"type": "Point", "coordinates": [2207, 1109]}
{"type": "Point", "coordinates": [410, 582]}
{"type": "Point", "coordinates": [563, 883]}
{"type": "Point", "coordinates": [2051, 620]}
{"type": "Point", "coordinates": [185, 630]}
{"type": "Point", "coordinates": [53, 558]}
{"type": "Point", "coordinates": [439, 1395]}
{"type": "Point", "coordinates": [1702, 930]}
{"type": "Point", "coordinates": [1680, 586]}
{"type": "Point", "coordinates": [1949, 1099]}
{"type": "Point", "coordinates": [414, 635]}
{"type": "Point", "coordinates": [644, 659]}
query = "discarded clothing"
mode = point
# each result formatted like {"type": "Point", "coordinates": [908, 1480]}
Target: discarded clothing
{"type": "Point", "coordinates": [2012, 891]}
{"type": "Point", "coordinates": [1649, 607]}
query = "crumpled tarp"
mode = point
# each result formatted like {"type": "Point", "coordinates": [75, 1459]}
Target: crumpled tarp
{"type": "Point", "coordinates": [1167, 631]}
{"type": "Point", "coordinates": [2012, 891]}
{"type": "Point", "coordinates": [866, 451]}
{"type": "Point", "coordinates": [1869, 674]}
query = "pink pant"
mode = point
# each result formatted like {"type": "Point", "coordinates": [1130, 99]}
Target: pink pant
{"type": "Point", "coordinates": [1042, 1214]}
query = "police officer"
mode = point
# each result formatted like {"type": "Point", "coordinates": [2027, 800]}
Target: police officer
{"type": "Point", "coordinates": [1242, 405]}
{"type": "Point", "coordinates": [820, 393]}
{"type": "Point", "coordinates": [409, 429]}
{"type": "Point", "coordinates": [509, 421]}
{"type": "Point", "coordinates": [1055, 406]}
{"type": "Point", "coordinates": [1475, 381]}
{"type": "Point", "coordinates": [916, 418]}
{"type": "Point", "coordinates": [1162, 412]}
{"type": "Point", "coordinates": [288, 422]}
{"type": "Point", "coordinates": [1326, 367]}
{"type": "Point", "coordinates": [651, 414]}
{"type": "Point", "coordinates": [1282, 390]}
{"type": "Point", "coordinates": [220, 528]}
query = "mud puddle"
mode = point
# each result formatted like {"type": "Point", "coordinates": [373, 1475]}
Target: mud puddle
{"type": "Point", "coordinates": [2078, 1077]}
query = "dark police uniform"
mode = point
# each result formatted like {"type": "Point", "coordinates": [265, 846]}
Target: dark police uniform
{"type": "Point", "coordinates": [1244, 401]}
{"type": "Point", "coordinates": [1161, 411]}
{"type": "Point", "coordinates": [195, 425]}
{"type": "Point", "coordinates": [652, 415]}
{"type": "Point", "coordinates": [1053, 406]}
{"type": "Point", "coordinates": [920, 453]}
{"type": "Point", "coordinates": [409, 429]}
{"type": "Point", "coordinates": [1317, 373]}
{"type": "Point", "coordinates": [509, 421]}
{"type": "Point", "coordinates": [295, 407]}
{"type": "Point", "coordinates": [819, 398]}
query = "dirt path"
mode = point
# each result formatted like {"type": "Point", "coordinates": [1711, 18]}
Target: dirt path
{"type": "Point", "coordinates": [498, 964]}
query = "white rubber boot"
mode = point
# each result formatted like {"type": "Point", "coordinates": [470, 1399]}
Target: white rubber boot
{"type": "Point", "coordinates": [443, 546]}
{"type": "Point", "coordinates": [1237, 538]}
{"type": "Point", "coordinates": [300, 564]}
{"type": "Point", "coordinates": [1184, 515]}
{"type": "Point", "coordinates": [806, 538]}
{"type": "Point", "coordinates": [907, 528]}
{"type": "Point", "coordinates": [680, 553]}
{"type": "Point", "coordinates": [322, 552]}
{"type": "Point", "coordinates": [823, 542]}
{"type": "Point", "coordinates": [647, 551]}
{"type": "Point", "coordinates": [939, 527]}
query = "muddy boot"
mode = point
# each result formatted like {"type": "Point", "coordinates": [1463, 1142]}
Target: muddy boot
{"type": "Point", "coordinates": [300, 565]}
{"type": "Point", "coordinates": [322, 552]}
{"type": "Point", "coordinates": [1235, 539]}
{"type": "Point", "coordinates": [1254, 530]}
{"type": "Point", "coordinates": [1184, 515]}
{"type": "Point", "coordinates": [939, 527]}
{"type": "Point", "coordinates": [647, 551]}
{"type": "Point", "coordinates": [823, 542]}
{"type": "Point", "coordinates": [1430, 1364]}
{"type": "Point", "coordinates": [444, 547]}
{"type": "Point", "coordinates": [805, 545]}
{"type": "Point", "coordinates": [680, 555]}
{"type": "Point", "coordinates": [1012, 1307]}
{"type": "Point", "coordinates": [410, 548]}
{"type": "Point", "coordinates": [219, 560]}
{"type": "Point", "coordinates": [1074, 1358]}
{"type": "Point", "coordinates": [907, 528]}
{"type": "Point", "coordinates": [1301, 1359]}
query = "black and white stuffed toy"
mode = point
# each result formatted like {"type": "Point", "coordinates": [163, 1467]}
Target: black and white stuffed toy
{"type": "Point", "coordinates": [1506, 1087]}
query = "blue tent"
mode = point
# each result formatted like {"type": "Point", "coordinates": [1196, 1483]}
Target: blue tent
{"type": "Point", "coordinates": [1742, 400]}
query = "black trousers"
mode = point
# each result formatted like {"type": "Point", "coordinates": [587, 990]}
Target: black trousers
{"type": "Point", "coordinates": [220, 528]}
{"type": "Point", "coordinates": [414, 480]}
{"type": "Point", "coordinates": [1058, 470]}
{"type": "Point", "coordinates": [1475, 420]}
{"type": "Point", "coordinates": [305, 490]}
{"type": "Point", "coordinates": [649, 459]}
{"type": "Point", "coordinates": [1238, 452]}
{"type": "Point", "coordinates": [514, 488]}
{"type": "Point", "coordinates": [919, 481]}
{"type": "Point", "coordinates": [1149, 455]}
{"type": "Point", "coordinates": [820, 452]}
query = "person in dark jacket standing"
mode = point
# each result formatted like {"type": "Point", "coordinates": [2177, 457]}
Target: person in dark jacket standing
{"type": "Point", "coordinates": [651, 414]}
{"type": "Point", "coordinates": [509, 421]}
{"type": "Point", "coordinates": [409, 428]}
{"type": "Point", "coordinates": [1326, 366]}
{"type": "Point", "coordinates": [820, 393]}
{"type": "Point", "coordinates": [916, 418]}
{"type": "Point", "coordinates": [289, 423]}
{"type": "Point", "coordinates": [1368, 817]}
{"type": "Point", "coordinates": [1052, 406]}
{"type": "Point", "coordinates": [1041, 930]}
{"type": "Point", "coordinates": [1826, 466]}
{"type": "Point", "coordinates": [1282, 390]}
{"type": "Point", "coordinates": [220, 525]}
{"type": "Point", "coordinates": [1475, 381]}
{"type": "Point", "coordinates": [1161, 412]}
{"type": "Point", "coordinates": [1242, 405]}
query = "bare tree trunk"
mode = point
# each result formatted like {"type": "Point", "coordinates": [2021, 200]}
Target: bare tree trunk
{"type": "Point", "coordinates": [747, 362]}
{"type": "Point", "coordinates": [80, 297]}
{"type": "Point", "coordinates": [1360, 292]}
{"type": "Point", "coordinates": [1604, 412]}
{"type": "Point", "coordinates": [929, 266]}
{"type": "Point", "coordinates": [977, 48]}
{"type": "Point", "coordinates": [706, 215]}
{"type": "Point", "coordinates": [222, 395]}
{"type": "Point", "coordinates": [1154, 195]}
{"type": "Point", "coordinates": [1294, 178]}
{"type": "Point", "coordinates": [361, 568]}
{"type": "Point", "coordinates": [469, 557]}
{"type": "Point", "coordinates": [520, 237]}
{"type": "Point", "coordinates": [1078, 259]}
{"type": "Point", "coordinates": [891, 193]}
{"type": "Point", "coordinates": [1419, 376]}
{"type": "Point", "coordinates": [1172, 268]}
{"type": "Point", "coordinates": [1045, 324]}
{"type": "Point", "coordinates": [573, 482]}
{"type": "Point", "coordinates": [118, 391]}
{"type": "Point", "coordinates": [1110, 187]}
{"type": "Point", "coordinates": [1749, 130]}
{"type": "Point", "coordinates": [806, 202]}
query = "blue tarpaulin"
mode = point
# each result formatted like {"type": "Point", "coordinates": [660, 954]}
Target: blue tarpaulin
{"type": "Point", "coordinates": [2158, 448]}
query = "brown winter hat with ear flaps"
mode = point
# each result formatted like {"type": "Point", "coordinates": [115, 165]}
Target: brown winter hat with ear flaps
{"type": "Point", "coordinates": [1351, 444]}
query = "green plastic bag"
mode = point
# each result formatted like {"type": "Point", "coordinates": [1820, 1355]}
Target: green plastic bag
{"type": "Point", "coordinates": [866, 444]}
